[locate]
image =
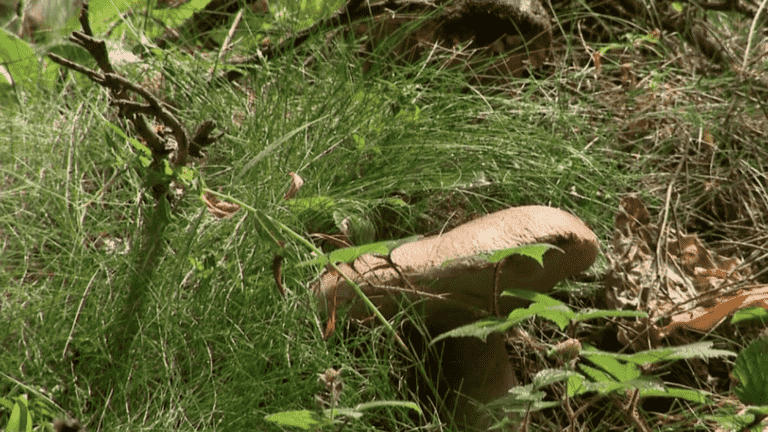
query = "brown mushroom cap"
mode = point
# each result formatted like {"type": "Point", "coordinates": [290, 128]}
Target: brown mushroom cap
{"type": "Point", "coordinates": [458, 286]}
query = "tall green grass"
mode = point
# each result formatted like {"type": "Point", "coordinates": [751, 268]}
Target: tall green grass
{"type": "Point", "coordinates": [216, 347]}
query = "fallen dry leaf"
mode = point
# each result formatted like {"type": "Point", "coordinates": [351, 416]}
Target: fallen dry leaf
{"type": "Point", "coordinates": [705, 318]}
{"type": "Point", "coordinates": [687, 275]}
{"type": "Point", "coordinates": [296, 184]}
{"type": "Point", "coordinates": [218, 208]}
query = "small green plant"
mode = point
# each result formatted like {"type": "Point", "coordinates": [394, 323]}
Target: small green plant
{"type": "Point", "coordinates": [599, 371]}
{"type": "Point", "coordinates": [21, 416]}
{"type": "Point", "coordinates": [307, 420]}
{"type": "Point", "coordinates": [752, 372]}
{"type": "Point", "coordinates": [25, 416]}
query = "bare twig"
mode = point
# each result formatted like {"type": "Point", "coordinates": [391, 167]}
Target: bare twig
{"type": "Point", "coordinates": [752, 34]}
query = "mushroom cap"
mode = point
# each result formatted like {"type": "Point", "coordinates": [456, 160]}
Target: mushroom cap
{"type": "Point", "coordinates": [455, 284]}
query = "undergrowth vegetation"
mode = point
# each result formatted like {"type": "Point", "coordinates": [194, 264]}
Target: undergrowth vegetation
{"type": "Point", "coordinates": [123, 326]}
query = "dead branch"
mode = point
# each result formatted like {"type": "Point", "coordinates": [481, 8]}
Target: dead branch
{"type": "Point", "coordinates": [120, 87]}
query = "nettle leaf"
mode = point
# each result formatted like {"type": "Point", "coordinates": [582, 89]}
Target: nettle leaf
{"type": "Point", "coordinates": [559, 314]}
{"type": "Point", "coordinates": [352, 253]}
{"type": "Point", "coordinates": [535, 251]}
{"type": "Point", "coordinates": [698, 396]}
{"type": "Point", "coordinates": [480, 329]}
{"type": "Point", "coordinates": [695, 350]}
{"type": "Point", "coordinates": [311, 420]}
{"type": "Point", "coordinates": [533, 296]}
{"type": "Point", "coordinates": [752, 372]}
{"type": "Point", "coordinates": [379, 404]}
{"type": "Point", "coordinates": [643, 383]}
{"type": "Point", "coordinates": [611, 369]}
{"type": "Point", "coordinates": [523, 398]}
{"type": "Point", "coordinates": [546, 377]}
{"type": "Point", "coordinates": [543, 306]}
{"type": "Point", "coordinates": [301, 419]}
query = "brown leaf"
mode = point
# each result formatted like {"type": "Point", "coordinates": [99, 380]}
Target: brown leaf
{"type": "Point", "coordinates": [219, 209]}
{"type": "Point", "coordinates": [704, 319]}
{"type": "Point", "coordinates": [296, 184]}
{"type": "Point", "coordinates": [277, 262]}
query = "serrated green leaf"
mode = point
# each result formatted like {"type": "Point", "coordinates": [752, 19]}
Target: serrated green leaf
{"type": "Point", "coordinates": [301, 419]}
{"type": "Point", "coordinates": [576, 384]}
{"type": "Point", "coordinates": [642, 383]}
{"type": "Point", "coordinates": [618, 370]}
{"type": "Point", "coordinates": [379, 404]}
{"type": "Point", "coordinates": [698, 396]}
{"type": "Point", "coordinates": [596, 374]}
{"type": "Point", "coordinates": [544, 307]}
{"type": "Point", "coordinates": [560, 314]}
{"type": "Point", "coordinates": [533, 296]}
{"type": "Point", "coordinates": [752, 372]}
{"type": "Point", "coordinates": [518, 397]}
{"type": "Point", "coordinates": [352, 253]}
{"type": "Point", "coordinates": [535, 251]}
{"type": "Point", "coordinates": [546, 377]}
{"type": "Point", "coordinates": [349, 412]}
{"type": "Point", "coordinates": [695, 350]}
{"type": "Point", "coordinates": [480, 329]}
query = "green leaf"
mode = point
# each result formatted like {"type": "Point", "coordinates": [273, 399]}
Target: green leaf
{"type": "Point", "coordinates": [617, 370]}
{"type": "Point", "coordinates": [480, 329]}
{"type": "Point", "coordinates": [21, 418]}
{"type": "Point", "coordinates": [19, 60]}
{"type": "Point", "coordinates": [301, 419]}
{"type": "Point", "coordinates": [351, 253]}
{"type": "Point", "coordinates": [577, 384]}
{"type": "Point", "coordinates": [546, 377]}
{"type": "Point", "coordinates": [695, 350]}
{"type": "Point", "coordinates": [698, 396]}
{"type": "Point", "coordinates": [544, 307]}
{"type": "Point", "coordinates": [752, 372]}
{"type": "Point", "coordinates": [560, 314]}
{"type": "Point", "coordinates": [748, 314]}
{"type": "Point", "coordinates": [533, 296]}
{"type": "Point", "coordinates": [379, 404]}
{"type": "Point", "coordinates": [519, 397]}
{"type": "Point", "coordinates": [535, 251]}
{"type": "Point", "coordinates": [357, 411]}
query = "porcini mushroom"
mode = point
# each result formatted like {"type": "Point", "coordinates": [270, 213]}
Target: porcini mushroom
{"type": "Point", "coordinates": [457, 287]}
